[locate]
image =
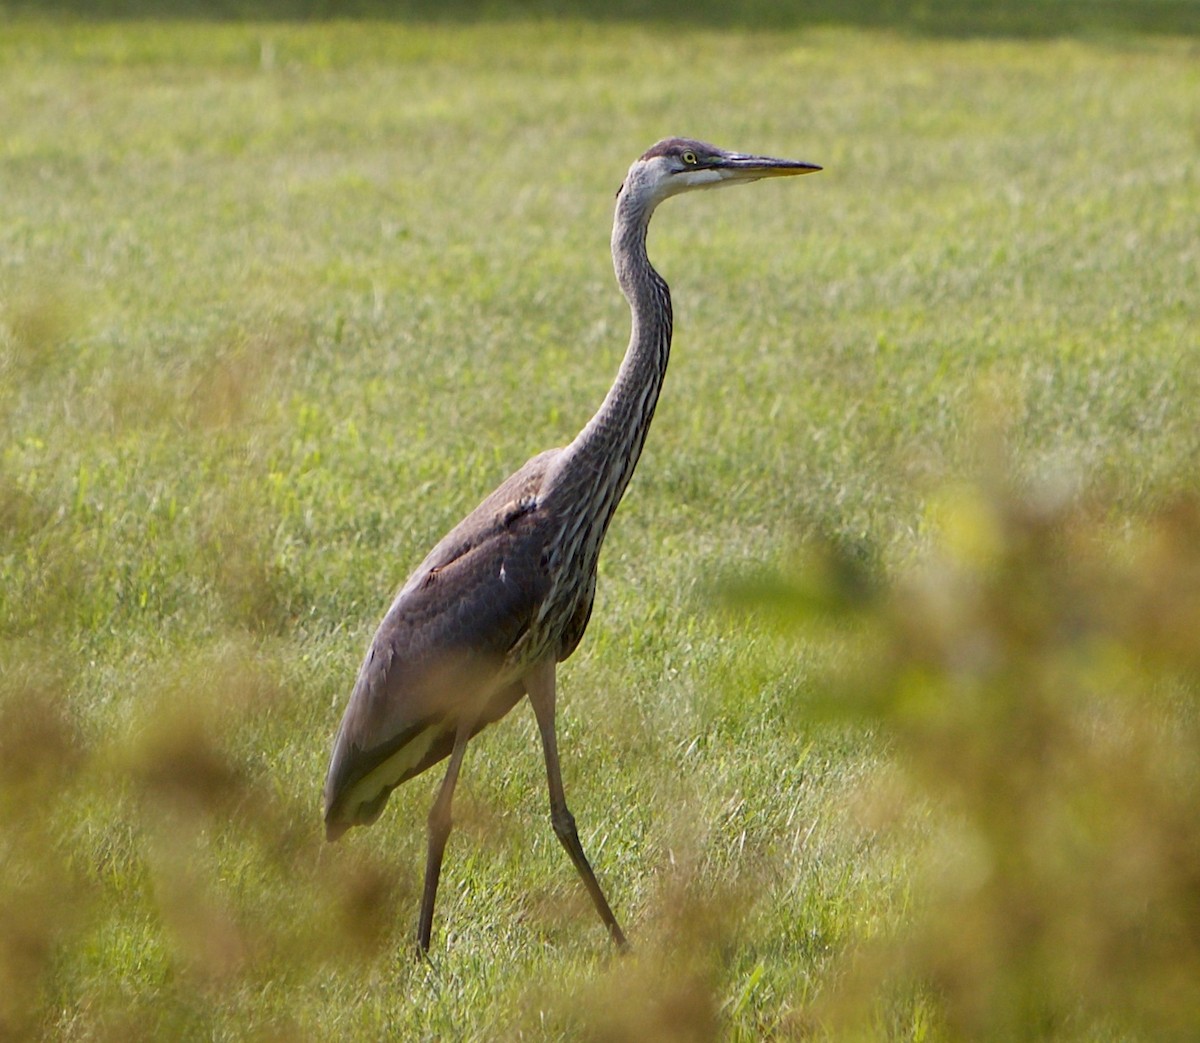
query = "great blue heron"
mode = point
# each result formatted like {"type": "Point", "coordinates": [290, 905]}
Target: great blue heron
{"type": "Point", "coordinates": [507, 595]}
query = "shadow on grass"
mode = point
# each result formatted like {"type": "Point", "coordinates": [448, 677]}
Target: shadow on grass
{"type": "Point", "coordinates": [1022, 18]}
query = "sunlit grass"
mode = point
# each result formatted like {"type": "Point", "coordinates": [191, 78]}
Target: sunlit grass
{"type": "Point", "coordinates": [278, 303]}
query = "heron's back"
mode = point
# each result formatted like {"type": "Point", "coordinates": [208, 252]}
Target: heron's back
{"type": "Point", "coordinates": [485, 605]}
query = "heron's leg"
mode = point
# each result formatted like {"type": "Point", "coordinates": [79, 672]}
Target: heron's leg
{"type": "Point", "coordinates": [540, 685]}
{"type": "Point", "coordinates": [439, 831]}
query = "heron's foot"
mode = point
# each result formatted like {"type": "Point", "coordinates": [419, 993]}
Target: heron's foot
{"type": "Point", "coordinates": [420, 950]}
{"type": "Point", "coordinates": [620, 941]}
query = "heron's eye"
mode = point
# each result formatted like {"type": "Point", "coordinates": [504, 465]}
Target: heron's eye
{"type": "Point", "coordinates": [689, 157]}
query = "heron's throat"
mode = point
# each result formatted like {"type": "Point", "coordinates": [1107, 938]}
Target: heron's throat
{"type": "Point", "coordinates": [603, 455]}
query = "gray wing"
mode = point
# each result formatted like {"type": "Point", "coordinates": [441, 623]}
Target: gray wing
{"type": "Point", "coordinates": [439, 650]}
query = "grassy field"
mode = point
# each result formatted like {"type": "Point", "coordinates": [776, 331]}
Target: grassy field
{"type": "Point", "coordinates": [280, 301]}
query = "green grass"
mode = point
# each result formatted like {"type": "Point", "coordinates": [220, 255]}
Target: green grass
{"type": "Point", "coordinates": [952, 18]}
{"type": "Point", "coordinates": [279, 302]}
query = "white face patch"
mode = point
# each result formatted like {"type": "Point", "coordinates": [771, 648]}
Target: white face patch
{"type": "Point", "coordinates": [653, 180]}
{"type": "Point", "coordinates": [705, 177]}
{"type": "Point", "coordinates": [649, 179]}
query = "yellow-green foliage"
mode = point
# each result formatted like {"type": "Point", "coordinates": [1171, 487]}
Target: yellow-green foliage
{"type": "Point", "coordinates": [1046, 692]}
{"type": "Point", "coordinates": [1038, 676]}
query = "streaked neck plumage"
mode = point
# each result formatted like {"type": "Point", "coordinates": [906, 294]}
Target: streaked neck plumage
{"type": "Point", "coordinates": [598, 464]}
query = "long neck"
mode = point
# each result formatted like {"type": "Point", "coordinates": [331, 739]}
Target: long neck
{"type": "Point", "coordinates": [601, 459]}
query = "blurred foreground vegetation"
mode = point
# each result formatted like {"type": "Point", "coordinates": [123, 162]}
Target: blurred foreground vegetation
{"type": "Point", "coordinates": [1038, 678]}
{"type": "Point", "coordinates": [278, 302]}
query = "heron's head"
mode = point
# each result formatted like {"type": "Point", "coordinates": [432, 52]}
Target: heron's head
{"type": "Point", "coordinates": [677, 165]}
